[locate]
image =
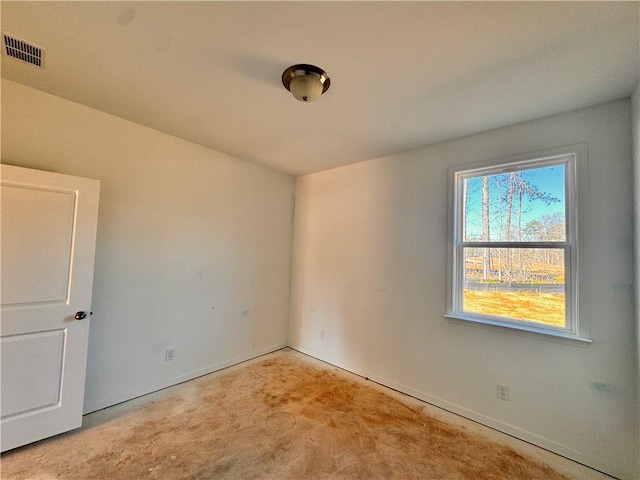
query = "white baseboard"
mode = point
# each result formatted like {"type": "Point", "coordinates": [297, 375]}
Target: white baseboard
{"type": "Point", "coordinates": [480, 418]}
{"type": "Point", "coordinates": [154, 387]}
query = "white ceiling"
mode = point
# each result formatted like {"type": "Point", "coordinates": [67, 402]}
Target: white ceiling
{"type": "Point", "coordinates": [403, 74]}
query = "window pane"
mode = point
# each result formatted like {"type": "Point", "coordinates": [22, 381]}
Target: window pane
{"type": "Point", "coordinates": [524, 205]}
{"type": "Point", "coordinates": [525, 284]}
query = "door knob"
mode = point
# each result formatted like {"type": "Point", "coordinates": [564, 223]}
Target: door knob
{"type": "Point", "coordinates": [80, 315]}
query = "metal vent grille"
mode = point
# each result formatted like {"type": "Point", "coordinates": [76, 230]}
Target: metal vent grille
{"type": "Point", "coordinates": [22, 50]}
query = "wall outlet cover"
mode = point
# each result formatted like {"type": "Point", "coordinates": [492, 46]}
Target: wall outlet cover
{"type": "Point", "coordinates": [169, 354]}
{"type": "Point", "coordinates": [502, 391]}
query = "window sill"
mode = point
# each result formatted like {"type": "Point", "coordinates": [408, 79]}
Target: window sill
{"type": "Point", "coordinates": [524, 330]}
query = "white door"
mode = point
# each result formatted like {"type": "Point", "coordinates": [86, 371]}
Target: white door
{"type": "Point", "coordinates": [48, 235]}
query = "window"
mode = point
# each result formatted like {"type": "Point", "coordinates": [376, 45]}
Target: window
{"type": "Point", "coordinates": [514, 243]}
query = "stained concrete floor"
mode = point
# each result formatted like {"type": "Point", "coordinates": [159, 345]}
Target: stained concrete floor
{"type": "Point", "coordinates": [283, 416]}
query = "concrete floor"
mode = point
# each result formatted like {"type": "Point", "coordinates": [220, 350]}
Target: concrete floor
{"type": "Point", "coordinates": [283, 416]}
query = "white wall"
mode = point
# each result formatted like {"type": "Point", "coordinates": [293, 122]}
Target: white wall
{"type": "Point", "coordinates": [635, 108]}
{"type": "Point", "coordinates": [194, 253]}
{"type": "Point", "coordinates": [193, 249]}
{"type": "Point", "coordinates": [370, 260]}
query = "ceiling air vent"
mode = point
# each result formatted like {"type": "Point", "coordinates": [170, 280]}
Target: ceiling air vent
{"type": "Point", "coordinates": [22, 50]}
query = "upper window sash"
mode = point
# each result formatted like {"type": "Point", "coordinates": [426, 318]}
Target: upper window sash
{"type": "Point", "coordinates": [567, 161]}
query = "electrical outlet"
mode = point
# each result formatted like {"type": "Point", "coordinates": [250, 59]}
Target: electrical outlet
{"type": "Point", "coordinates": [322, 335]}
{"type": "Point", "coordinates": [502, 391]}
{"type": "Point", "coordinates": [169, 353]}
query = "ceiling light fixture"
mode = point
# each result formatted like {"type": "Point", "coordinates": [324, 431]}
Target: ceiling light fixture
{"type": "Point", "coordinates": [305, 82]}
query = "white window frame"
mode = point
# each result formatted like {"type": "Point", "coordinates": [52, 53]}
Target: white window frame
{"type": "Point", "coordinates": [574, 159]}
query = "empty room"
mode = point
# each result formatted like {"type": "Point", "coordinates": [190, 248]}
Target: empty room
{"type": "Point", "coordinates": [320, 240]}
